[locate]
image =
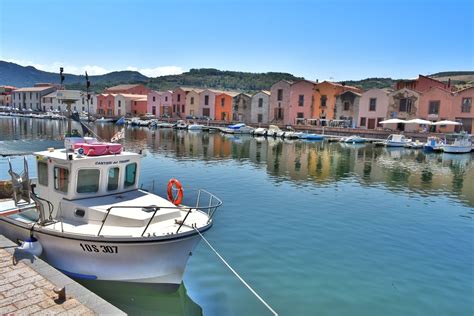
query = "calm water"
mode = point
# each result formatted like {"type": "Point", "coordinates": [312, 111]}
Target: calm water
{"type": "Point", "coordinates": [315, 228]}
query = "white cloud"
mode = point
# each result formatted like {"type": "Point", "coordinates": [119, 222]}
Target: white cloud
{"type": "Point", "coordinates": [98, 70]}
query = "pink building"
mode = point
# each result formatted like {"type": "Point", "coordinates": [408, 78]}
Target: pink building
{"type": "Point", "coordinates": [207, 101]}
{"type": "Point", "coordinates": [461, 109]}
{"type": "Point", "coordinates": [301, 101]}
{"type": "Point", "coordinates": [166, 103]}
{"type": "Point", "coordinates": [179, 101]}
{"type": "Point", "coordinates": [128, 89]}
{"type": "Point", "coordinates": [154, 103]}
{"type": "Point", "coordinates": [373, 106]}
{"type": "Point", "coordinates": [435, 105]}
{"type": "Point", "coordinates": [280, 102]}
{"type": "Point", "coordinates": [421, 84]}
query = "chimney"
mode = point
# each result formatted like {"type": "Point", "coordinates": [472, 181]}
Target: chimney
{"type": "Point", "coordinates": [449, 82]}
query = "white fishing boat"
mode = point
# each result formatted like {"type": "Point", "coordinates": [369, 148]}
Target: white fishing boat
{"type": "Point", "coordinates": [434, 143]}
{"type": "Point", "coordinates": [414, 144]}
{"type": "Point", "coordinates": [104, 120]}
{"type": "Point", "coordinates": [274, 131]}
{"type": "Point", "coordinates": [87, 217]}
{"type": "Point", "coordinates": [195, 127]}
{"type": "Point", "coordinates": [260, 131]}
{"type": "Point", "coordinates": [396, 140]}
{"type": "Point", "coordinates": [354, 139]}
{"type": "Point", "coordinates": [180, 124]}
{"type": "Point", "coordinates": [239, 128]}
{"type": "Point", "coordinates": [462, 144]}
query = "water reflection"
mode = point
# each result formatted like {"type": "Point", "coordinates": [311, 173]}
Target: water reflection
{"type": "Point", "coordinates": [140, 299]}
{"type": "Point", "coordinates": [300, 161]}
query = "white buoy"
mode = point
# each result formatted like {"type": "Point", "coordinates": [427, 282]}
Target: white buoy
{"type": "Point", "coordinates": [32, 245]}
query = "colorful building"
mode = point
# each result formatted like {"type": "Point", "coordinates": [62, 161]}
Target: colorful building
{"type": "Point", "coordinates": [51, 103]}
{"type": "Point", "coordinates": [421, 84]}
{"type": "Point", "coordinates": [241, 108]}
{"type": "Point", "coordinates": [435, 105]}
{"type": "Point", "coordinates": [5, 95]}
{"type": "Point", "coordinates": [373, 107]}
{"type": "Point", "coordinates": [207, 101]}
{"type": "Point", "coordinates": [260, 107]}
{"type": "Point", "coordinates": [106, 105]}
{"type": "Point", "coordinates": [347, 107]}
{"type": "Point", "coordinates": [154, 103]}
{"type": "Point", "coordinates": [461, 109]}
{"type": "Point", "coordinates": [403, 104]}
{"type": "Point", "coordinates": [31, 98]}
{"type": "Point", "coordinates": [179, 101]}
{"type": "Point", "coordinates": [166, 109]}
{"type": "Point", "coordinates": [301, 102]}
{"type": "Point", "coordinates": [325, 94]}
{"type": "Point", "coordinates": [192, 108]}
{"type": "Point", "coordinates": [280, 101]}
{"type": "Point", "coordinates": [223, 106]}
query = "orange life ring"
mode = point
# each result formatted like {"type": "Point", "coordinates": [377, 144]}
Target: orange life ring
{"type": "Point", "coordinates": [175, 184]}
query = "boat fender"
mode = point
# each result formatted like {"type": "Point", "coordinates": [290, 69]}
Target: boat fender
{"type": "Point", "coordinates": [32, 245]}
{"type": "Point", "coordinates": [174, 184]}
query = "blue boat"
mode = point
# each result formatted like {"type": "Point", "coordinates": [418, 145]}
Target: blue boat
{"type": "Point", "coordinates": [309, 136]}
{"type": "Point", "coordinates": [120, 121]}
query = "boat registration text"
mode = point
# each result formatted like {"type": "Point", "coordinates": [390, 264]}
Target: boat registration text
{"type": "Point", "coordinates": [99, 248]}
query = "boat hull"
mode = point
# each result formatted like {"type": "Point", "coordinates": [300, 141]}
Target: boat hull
{"type": "Point", "coordinates": [395, 144]}
{"type": "Point", "coordinates": [97, 258]}
{"type": "Point", "coordinates": [457, 149]}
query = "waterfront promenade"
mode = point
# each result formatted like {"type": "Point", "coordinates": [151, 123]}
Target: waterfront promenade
{"type": "Point", "coordinates": [28, 287]}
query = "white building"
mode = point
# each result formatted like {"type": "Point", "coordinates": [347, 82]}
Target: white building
{"type": "Point", "coordinates": [50, 102]}
{"type": "Point", "coordinates": [260, 107]}
{"type": "Point", "coordinates": [31, 97]}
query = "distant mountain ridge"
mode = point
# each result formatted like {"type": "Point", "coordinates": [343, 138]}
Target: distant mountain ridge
{"type": "Point", "coordinates": [24, 76]}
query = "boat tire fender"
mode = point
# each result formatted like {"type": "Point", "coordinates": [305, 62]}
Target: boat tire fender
{"type": "Point", "coordinates": [176, 185]}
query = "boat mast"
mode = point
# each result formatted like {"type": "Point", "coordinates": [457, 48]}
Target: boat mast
{"type": "Point", "coordinates": [88, 84]}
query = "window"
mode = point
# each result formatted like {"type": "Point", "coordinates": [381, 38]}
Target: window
{"type": "Point", "coordinates": [260, 102]}
{"type": "Point", "coordinates": [182, 108]}
{"type": "Point", "coordinates": [82, 100]}
{"type": "Point", "coordinates": [466, 105]}
{"type": "Point", "coordinates": [109, 112]}
{"type": "Point", "coordinates": [174, 107]}
{"type": "Point", "coordinates": [405, 105]}
{"type": "Point", "coordinates": [300, 115]}
{"type": "Point", "coordinates": [61, 179]}
{"type": "Point", "coordinates": [153, 110]}
{"type": "Point", "coordinates": [323, 100]}
{"type": "Point", "coordinates": [88, 180]}
{"type": "Point", "coordinates": [363, 121]}
{"type": "Point", "coordinates": [372, 104]}
{"type": "Point", "coordinates": [83, 109]}
{"type": "Point", "coordinates": [222, 102]}
{"type": "Point", "coordinates": [301, 100]}
{"type": "Point", "coordinates": [92, 101]}
{"type": "Point", "coordinates": [206, 100]}
{"type": "Point", "coordinates": [113, 179]}
{"type": "Point", "coordinates": [346, 106]}
{"type": "Point", "coordinates": [166, 99]}
{"type": "Point", "coordinates": [260, 118]}
{"type": "Point", "coordinates": [433, 107]}
{"type": "Point", "coordinates": [280, 95]}
{"type": "Point", "coordinates": [130, 174]}
{"type": "Point", "coordinates": [192, 100]}
{"type": "Point", "coordinates": [43, 173]}
{"type": "Point", "coordinates": [119, 103]}
{"type": "Point", "coordinates": [153, 99]}
{"type": "Point", "coordinates": [179, 97]}
{"type": "Point", "coordinates": [206, 112]}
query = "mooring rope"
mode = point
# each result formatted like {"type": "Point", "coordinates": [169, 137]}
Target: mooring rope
{"type": "Point", "coordinates": [236, 274]}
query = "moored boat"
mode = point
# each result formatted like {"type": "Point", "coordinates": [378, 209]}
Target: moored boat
{"type": "Point", "coordinates": [396, 140]}
{"type": "Point", "coordinates": [462, 144]}
{"type": "Point", "coordinates": [354, 139]}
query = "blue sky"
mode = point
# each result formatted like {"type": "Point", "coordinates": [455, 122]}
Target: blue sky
{"type": "Point", "coordinates": [336, 40]}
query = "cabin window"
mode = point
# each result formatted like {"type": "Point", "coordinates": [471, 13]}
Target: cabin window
{"type": "Point", "coordinates": [43, 173]}
{"type": "Point", "coordinates": [130, 174]}
{"type": "Point", "coordinates": [113, 181]}
{"type": "Point", "coordinates": [61, 179]}
{"type": "Point", "coordinates": [88, 180]}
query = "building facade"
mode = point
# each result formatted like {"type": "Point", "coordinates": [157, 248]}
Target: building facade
{"type": "Point", "coordinates": [461, 109]}
{"type": "Point", "coordinates": [421, 84]}
{"type": "Point", "coordinates": [301, 102]}
{"type": "Point", "coordinates": [435, 105]}
{"type": "Point", "coordinates": [347, 107]}
{"type": "Point", "coordinates": [207, 102]}
{"type": "Point", "coordinates": [166, 109]}
{"type": "Point", "coordinates": [50, 103]}
{"type": "Point", "coordinates": [241, 108]}
{"type": "Point", "coordinates": [373, 108]}
{"type": "Point", "coordinates": [192, 108]}
{"type": "Point", "coordinates": [31, 98]}
{"type": "Point", "coordinates": [325, 94]}
{"type": "Point", "coordinates": [280, 101]}
{"type": "Point", "coordinates": [260, 107]}
{"type": "Point", "coordinates": [223, 107]}
{"type": "Point", "coordinates": [154, 103]}
{"type": "Point", "coordinates": [403, 104]}
{"type": "Point", "coordinates": [179, 101]}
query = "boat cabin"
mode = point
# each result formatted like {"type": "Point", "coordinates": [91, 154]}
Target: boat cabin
{"type": "Point", "coordinates": [72, 175]}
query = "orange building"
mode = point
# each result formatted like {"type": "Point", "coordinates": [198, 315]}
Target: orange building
{"type": "Point", "coordinates": [324, 95]}
{"type": "Point", "coordinates": [223, 106]}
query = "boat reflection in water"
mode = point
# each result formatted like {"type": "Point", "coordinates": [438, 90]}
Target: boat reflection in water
{"type": "Point", "coordinates": [143, 299]}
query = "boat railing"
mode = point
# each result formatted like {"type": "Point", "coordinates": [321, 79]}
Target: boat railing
{"type": "Point", "coordinates": [205, 202]}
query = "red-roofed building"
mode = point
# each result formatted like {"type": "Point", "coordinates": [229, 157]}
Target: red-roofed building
{"type": "Point", "coordinates": [128, 89]}
{"type": "Point", "coordinates": [423, 83]}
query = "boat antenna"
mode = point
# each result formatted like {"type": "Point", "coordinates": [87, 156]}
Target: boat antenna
{"type": "Point", "coordinates": [88, 84]}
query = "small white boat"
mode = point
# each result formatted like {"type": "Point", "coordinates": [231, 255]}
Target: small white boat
{"type": "Point", "coordinates": [274, 131]}
{"type": "Point", "coordinates": [239, 128]}
{"type": "Point", "coordinates": [180, 124]}
{"type": "Point", "coordinates": [354, 139]}
{"type": "Point", "coordinates": [195, 127]}
{"type": "Point", "coordinates": [462, 144]}
{"type": "Point", "coordinates": [105, 120]}
{"type": "Point", "coordinates": [434, 143]}
{"type": "Point", "coordinates": [414, 145]}
{"type": "Point", "coordinates": [260, 131]}
{"type": "Point", "coordinates": [164, 125]}
{"type": "Point", "coordinates": [396, 140]}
